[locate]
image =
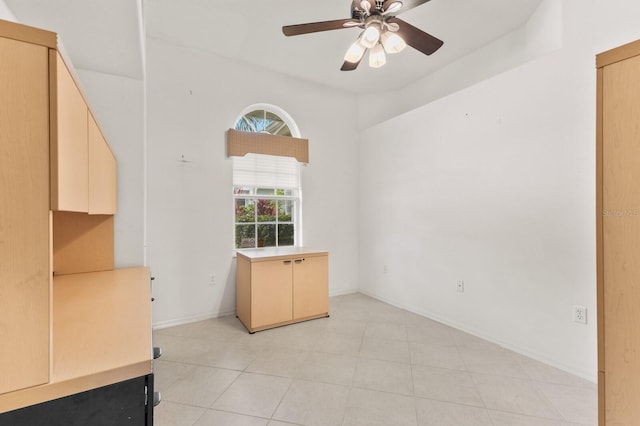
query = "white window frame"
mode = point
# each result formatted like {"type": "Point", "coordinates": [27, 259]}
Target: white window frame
{"type": "Point", "coordinates": [255, 196]}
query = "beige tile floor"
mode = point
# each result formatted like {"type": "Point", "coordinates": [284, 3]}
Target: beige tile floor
{"type": "Point", "coordinates": [368, 364]}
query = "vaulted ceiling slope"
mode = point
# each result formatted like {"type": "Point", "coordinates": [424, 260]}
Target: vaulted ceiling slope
{"type": "Point", "coordinates": [104, 35]}
{"type": "Point", "coordinates": [98, 35]}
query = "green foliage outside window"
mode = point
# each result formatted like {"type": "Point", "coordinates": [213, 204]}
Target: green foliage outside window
{"type": "Point", "coordinates": [271, 218]}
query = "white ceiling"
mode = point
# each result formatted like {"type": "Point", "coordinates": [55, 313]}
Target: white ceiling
{"type": "Point", "coordinates": [104, 35]}
{"type": "Point", "coordinates": [98, 35]}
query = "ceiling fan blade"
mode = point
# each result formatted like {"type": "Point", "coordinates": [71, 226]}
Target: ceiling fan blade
{"type": "Point", "coordinates": [351, 24]}
{"type": "Point", "coordinates": [350, 66]}
{"type": "Point", "coordinates": [314, 27]}
{"type": "Point", "coordinates": [406, 5]}
{"type": "Point", "coordinates": [391, 7]}
{"type": "Point", "coordinates": [416, 38]}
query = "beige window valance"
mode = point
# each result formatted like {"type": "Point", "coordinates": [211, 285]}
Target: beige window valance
{"type": "Point", "coordinates": [242, 143]}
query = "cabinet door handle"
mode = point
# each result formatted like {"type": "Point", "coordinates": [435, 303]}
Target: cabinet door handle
{"type": "Point", "coordinates": [286, 262]}
{"type": "Point", "coordinates": [299, 260]}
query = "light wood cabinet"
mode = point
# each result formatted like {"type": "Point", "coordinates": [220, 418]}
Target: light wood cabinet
{"type": "Point", "coordinates": [279, 286]}
{"type": "Point", "coordinates": [24, 215]}
{"type": "Point", "coordinates": [271, 294]}
{"type": "Point", "coordinates": [618, 234]}
{"type": "Point", "coordinates": [69, 135]}
{"type": "Point", "coordinates": [89, 327]}
{"type": "Point", "coordinates": [101, 334]}
{"type": "Point", "coordinates": [83, 168]}
{"type": "Point", "coordinates": [82, 243]}
{"type": "Point", "coordinates": [310, 286]}
{"type": "Point", "coordinates": [102, 172]}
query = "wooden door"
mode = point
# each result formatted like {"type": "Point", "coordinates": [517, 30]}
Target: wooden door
{"type": "Point", "coordinates": [271, 292]}
{"type": "Point", "coordinates": [69, 147]}
{"type": "Point", "coordinates": [620, 268]}
{"type": "Point", "coordinates": [24, 215]}
{"type": "Point", "coordinates": [102, 172]}
{"type": "Point", "coordinates": [310, 286]}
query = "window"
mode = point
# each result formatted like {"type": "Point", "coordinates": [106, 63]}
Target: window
{"type": "Point", "coordinates": [262, 120]}
{"type": "Point", "coordinates": [266, 188]}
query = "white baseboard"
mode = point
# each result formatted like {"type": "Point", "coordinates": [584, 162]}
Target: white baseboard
{"type": "Point", "coordinates": [343, 292]}
{"type": "Point", "coordinates": [194, 318]}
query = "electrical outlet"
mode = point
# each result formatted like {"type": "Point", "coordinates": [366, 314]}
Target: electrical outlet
{"type": "Point", "coordinates": [580, 314]}
{"type": "Point", "coordinates": [212, 279]}
{"type": "Point", "coordinates": [460, 286]}
{"type": "Point", "coordinates": [385, 269]}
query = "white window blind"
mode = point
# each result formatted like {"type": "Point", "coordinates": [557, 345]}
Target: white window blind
{"type": "Point", "coordinates": [266, 171]}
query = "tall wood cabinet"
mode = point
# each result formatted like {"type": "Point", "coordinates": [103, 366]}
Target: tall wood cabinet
{"type": "Point", "coordinates": [69, 322]}
{"type": "Point", "coordinates": [618, 234]}
{"type": "Point", "coordinates": [24, 215]}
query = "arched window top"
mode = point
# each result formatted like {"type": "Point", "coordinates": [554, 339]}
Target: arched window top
{"type": "Point", "coordinates": [267, 118]}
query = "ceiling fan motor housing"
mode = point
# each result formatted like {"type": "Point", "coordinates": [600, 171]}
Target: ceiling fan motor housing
{"type": "Point", "coordinates": [360, 12]}
{"type": "Point", "coordinates": [361, 9]}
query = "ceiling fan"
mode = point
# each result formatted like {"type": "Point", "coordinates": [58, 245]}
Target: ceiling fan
{"type": "Point", "coordinates": [382, 31]}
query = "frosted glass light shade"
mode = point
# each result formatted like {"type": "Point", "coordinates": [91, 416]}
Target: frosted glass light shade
{"type": "Point", "coordinates": [370, 36]}
{"type": "Point", "coordinates": [392, 42]}
{"type": "Point", "coordinates": [377, 57]}
{"type": "Point", "coordinates": [355, 53]}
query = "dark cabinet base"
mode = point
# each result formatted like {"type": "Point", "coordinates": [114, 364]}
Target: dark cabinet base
{"type": "Point", "coordinates": [125, 403]}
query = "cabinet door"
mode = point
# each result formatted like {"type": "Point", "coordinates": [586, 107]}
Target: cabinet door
{"type": "Point", "coordinates": [271, 292]}
{"type": "Point", "coordinates": [69, 148]}
{"type": "Point", "coordinates": [102, 172]}
{"type": "Point", "coordinates": [621, 241]}
{"type": "Point", "coordinates": [24, 215]}
{"type": "Point", "coordinates": [310, 286]}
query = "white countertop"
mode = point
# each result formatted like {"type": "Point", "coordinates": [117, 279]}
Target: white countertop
{"type": "Point", "coordinates": [275, 252]}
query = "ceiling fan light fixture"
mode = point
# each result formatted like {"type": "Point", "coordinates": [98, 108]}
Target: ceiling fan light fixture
{"type": "Point", "coordinates": [355, 53]}
{"type": "Point", "coordinates": [371, 35]}
{"type": "Point", "coordinates": [382, 32]}
{"type": "Point", "coordinates": [377, 57]}
{"type": "Point", "coordinates": [392, 42]}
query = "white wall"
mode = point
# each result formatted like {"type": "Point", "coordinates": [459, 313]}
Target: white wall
{"type": "Point", "coordinates": [495, 185]}
{"type": "Point", "coordinates": [616, 23]}
{"type": "Point", "coordinates": [541, 35]}
{"type": "Point", "coordinates": [6, 13]}
{"type": "Point", "coordinates": [193, 98]}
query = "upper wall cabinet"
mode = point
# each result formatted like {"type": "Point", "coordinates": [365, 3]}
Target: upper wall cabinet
{"type": "Point", "coordinates": [102, 172]}
{"type": "Point", "coordinates": [83, 168]}
{"type": "Point", "coordinates": [69, 135]}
